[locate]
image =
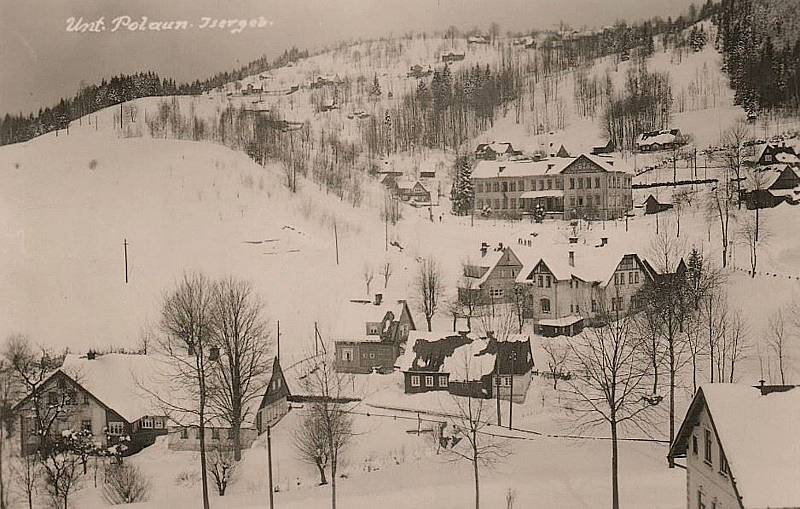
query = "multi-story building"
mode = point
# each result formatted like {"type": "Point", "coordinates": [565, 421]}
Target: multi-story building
{"type": "Point", "coordinates": [586, 186]}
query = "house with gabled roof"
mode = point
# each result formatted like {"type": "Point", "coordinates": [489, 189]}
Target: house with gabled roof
{"type": "Point", "coordinates": [664, 139]}
{"type": "Point", "coordinates": [101, 394]}
{"type": "Point", "coordinates": [780, 154]}
{"type": "Point", "coordinates": [491, 277]}
{"type": "Point", "coordinates": [570, 285]}
{"type": "Point", "coordinates": [423, 360]}
{"type": "Point", "coordinates": [370, 333]}
{"type": "Point", "coordinates": [275, 402]}
{"type": "Point", "coordinates": [740, 447]}
{"type": "Point", "coordinates": [768, 186]}
{"type": "Point", "coordinates": [494, 151]}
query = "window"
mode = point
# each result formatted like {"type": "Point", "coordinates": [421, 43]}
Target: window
{"type": "Point", "coordinates": [540, 281]}
{"type": "Point", "coordinates": [616, 278]}
{"type": "Point", "coordinates": [505, 186]}
{"type": "Point", "coordinates": [723, 462]}
{"type": "Point", "coordinates": [158, 422]}
{"type": "Point", "coordinates": [521, 185]}
{"type": "Point", "coordinates": [496, 292]}
{"type": "Point", "coordinates": [512, 186]}
{"type": "Point", "coordinates": [480, 187]}
{"type": "Point", "coordinates": [147, 422]}
{"type": "Point", "coordinates": [480, 204]}
{"type": "Point", "coordinates": [622, 278]}
{"type": "Point", "coordinates": [768, 157]}
{"type": "Point", "coordinates": [630, 278]}
{"type": "Point", "coordinates": [548, 281]}
{"type": "Point", "coordinates": [184, 433]}
{"type": "Point", "coordinates": [428, 381]}
{"type": "Point", "coordinates": [694, 444]}
{"type": "Point", "coordinates": [414, 380]}
{"type": "Point", "coordinates": [495, 187]}
{"type": "Point", "coordinates": [571, 308]}
{"type": "Point", "coordinates": [559, 184]}
{"type": "Point", "coordinates": [347, 354]}
{"type": "Point", "coordinates": [541, 185]}
{"type": "Point", "coordinates": [52, 398]}
{"type": "Point", "coordinates": [549, 184]}
{"type": "Point", "coordinates": [86, 425]}
{"type": "Point", "coordinates": [580, 201]}
{"type": "Point", "coordinates": [580, 183]}
{"type": "Point", "coordinates": [545, 304]}
{"type": "Point", "coordinates": [636, 277]}
{"type": "Point", "coordinates": [594, 306]}
{"type": "Point", "coordinates": [116, 428]}
{"type": "Point", "coordinates": [571, 183]}
{"type": "Point", "coordinates": [496, 203]}
{"type": "Point", "coordinates": [85, 398]}
{"type": "Point", "coordinates": [708, 447]}
{"type": "Point", "coordinates": [372, 329]}
{"type": "Point", "coordinates": [215, 433]}
{"type": "Point", "coordinates": [597, 182]}
{"type": "Point", "coordinates": [442, 380]}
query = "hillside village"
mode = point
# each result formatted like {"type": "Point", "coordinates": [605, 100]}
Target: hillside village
{"type": "Point", "coordinates": [544, 269]}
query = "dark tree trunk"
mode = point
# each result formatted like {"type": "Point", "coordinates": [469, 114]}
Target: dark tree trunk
{"type": "Point", "coordinates": [614, 463]}
{"type": "Point", "coordinates": [322, 479]}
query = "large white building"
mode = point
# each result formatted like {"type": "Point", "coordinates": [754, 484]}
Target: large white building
{"type": "Point", "coordinates": [586, 186]}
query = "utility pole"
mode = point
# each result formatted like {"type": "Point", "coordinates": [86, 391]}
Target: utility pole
{"type": "Point", "coordinates": [120, 117]}
{"type": "Point", "coordinates": [125, 247]}
{"type": "Point", "coordinates": [386, 225]}
{"type": "Point", "coordinates": [336, 240]}
{"type": "Point", "coordinates": [269, 466]}
{"type": "Point", "coordinates": [497, 395]}
{"type": "Point", "coordinates": [278, 355]}
{"type": "Point", "coordinates": [511, 392]}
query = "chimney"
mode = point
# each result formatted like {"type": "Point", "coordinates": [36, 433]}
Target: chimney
{"type": "Point", "coordinates": [573, 240]}
{"type": "Point", "coordinates": [91, 355]}
{"type": "Point", "coordinates": [572, 258]}
{"type": "Point", "coordinates": [484, 249]}
{"type": "Point", "coordinates": [378, 299]}
{"type": "Point", "coordinates": [769, 389]}
{"type": "Point", "coordinates": [603, 241]}
{"type": "Point", "coordinates": [213, 354]}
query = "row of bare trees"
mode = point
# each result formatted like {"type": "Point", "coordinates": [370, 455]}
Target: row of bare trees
{"type": "Point", "coordinates": [213, 351]}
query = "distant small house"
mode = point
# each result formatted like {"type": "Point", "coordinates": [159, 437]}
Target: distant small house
{"type": "Point", "coordinates": [417, 71]}
{"type": "Point", "coordinates": [494, 151]}
{"type": "Point", "coordinates": [387, 167]}
{"type": "Point", "coordinates": [562, 152]}
{"type": "Point", "coordinates": [772, 154]}
{"type": "Point", "coordinates": [321, 82]}
{"type": "Point", "coordinates": [659, 140]}
{"type": "Point", "coordinates": [275, 402]}
{"type": "Point", "coordinates": [604, 149]}
{"type": "Point", "coordinates": [251, 89]}
{"type": "Point", "coordinates": [412, 191]}
{"type": "Point", "coordinates": [565, 326]}
{"type": "Point", "coordinates": [428, 173]}
{"type": "Point", "coordinates": [370, 334]}
{"type": "Point", "coordinates": [478, 39]}
{"type": "Point", "coordinates": [653, 206]}
{"type": "Point", "coordinates": [451, 57]}
{"type": "Point", "coordinates": [771, 185]}
{"type": "Point", "coordinates": [739, 444]}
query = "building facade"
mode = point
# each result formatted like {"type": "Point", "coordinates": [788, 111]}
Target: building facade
{"type": "Point", "coordinates": [585, 186]}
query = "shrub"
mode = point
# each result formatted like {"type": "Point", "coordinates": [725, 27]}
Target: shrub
{"type": "Point", "coordinates": [125, 484]}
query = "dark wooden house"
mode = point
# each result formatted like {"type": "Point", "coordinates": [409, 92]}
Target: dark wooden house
{"type": "Point", "coordinates": [653, 206]}
{"type": "Point", "coordinates": [275, 402]}
{"type": "Point", "coordinates": [422, 362]}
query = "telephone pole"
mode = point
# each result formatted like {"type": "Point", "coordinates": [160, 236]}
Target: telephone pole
{"type": "Point", "coordinates": [269, 466]}
{"type": "Point", "coordinates": [511, 391]}
{"type": "Point", "coordinates": [125, 247]}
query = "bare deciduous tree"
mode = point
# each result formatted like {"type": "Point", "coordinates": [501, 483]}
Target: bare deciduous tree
{"type": "Point", "coordinates": [368, 274]}
{"type": "Point", "coordinates": [187, 322]}
{"type": "Point", "coordinates": [776, 339]}
{"type": "Point", "coordinates": [125, 484]}
{"type": "Point", "coordinates": [470, 425]}
{"type": "Point", "coordinates": [750, 236]}
{"type": "Point", "coordinates": [557, 357]}
{"type": "Point", "coordinates": [26, 473]}
{"type": "Point", "coordinates": [311, 444]}
{"type": "Point", "coordinates": [386, 272]}
{"type": "Point", "coordinates": [734, 142]}
{"type": "Point", "coordinates": [333, 418]}
{"type": "Point", "coordinates": [429, 288]}
{"type": "Point", "coordinates": [240, 334]}
{"type": "Point", "coordinates": [608, 384]}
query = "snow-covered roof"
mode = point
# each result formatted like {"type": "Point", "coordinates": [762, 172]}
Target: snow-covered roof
{"type": "Point", "coordinates": [591, 264]}
{"type": "Point", "coordinates": [543, 167]}
{"type": "Point", "coordinates": [470, 362]}
{"type": "Point", "coordinates": [354, 315]}
{"type": "Point", "coordinates": [427, 351]}
{"type": "Point", "coordinates": [660, 137]}
{"type": "Point", "coordinates": [118, 380]}
{"type": "Point", "coordinates": [565, 321]}
{"type": "Point", "coordinates": [760, 435]}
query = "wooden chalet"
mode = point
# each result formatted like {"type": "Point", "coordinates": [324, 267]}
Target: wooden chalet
{"type": "Point", "coordinates": [275, 402]}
